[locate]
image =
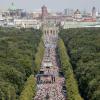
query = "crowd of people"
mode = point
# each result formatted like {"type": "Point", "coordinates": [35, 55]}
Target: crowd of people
{"type": "Point", "coordinates": [51, 83]}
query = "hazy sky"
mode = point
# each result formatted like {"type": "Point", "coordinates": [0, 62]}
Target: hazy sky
{"type": "Point", "coordinates": [56, 5]}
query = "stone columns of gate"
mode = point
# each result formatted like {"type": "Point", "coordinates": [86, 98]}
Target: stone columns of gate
{"type": "Point", "coordinates": [52, 32]}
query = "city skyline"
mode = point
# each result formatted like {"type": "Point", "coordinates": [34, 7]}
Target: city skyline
{"type": "Point", "coordinates": [33, 5]}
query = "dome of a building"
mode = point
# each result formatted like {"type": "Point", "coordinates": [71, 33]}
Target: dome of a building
{"type": "Point", "coordinates": [77, 12]}
{"type": "Point", "coordinates": [12, 6]}
{"type": "Point", "coordinates": [94, 8]}
{"type": "Point", "coordinates": [44, 6]}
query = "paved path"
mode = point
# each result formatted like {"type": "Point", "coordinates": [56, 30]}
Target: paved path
{"type": "Point", "coordinates": [49, 83]}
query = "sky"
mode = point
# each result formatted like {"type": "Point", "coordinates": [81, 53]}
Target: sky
{"type": "Point", "coordinates": [56, 5]}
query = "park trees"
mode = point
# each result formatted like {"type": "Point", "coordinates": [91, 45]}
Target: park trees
{"type": "Point", "coordinates": [18, 48]}
{"type": "Point", "coordinates": [83, 46]}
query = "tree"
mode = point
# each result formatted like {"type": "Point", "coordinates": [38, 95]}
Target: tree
{"type": "Point", "coordinates": [71, 84]}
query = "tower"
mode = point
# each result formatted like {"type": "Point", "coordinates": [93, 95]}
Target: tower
{"type": "Point", "coordinates": [93, 12]}
{"type": "Point", "coordinates": [44, 11]}
{"type": "Point", "coordinates": [12, 6]}
{"type": "Point", "coordinates": [12, 10]}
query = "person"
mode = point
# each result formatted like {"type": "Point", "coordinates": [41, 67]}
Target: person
{"type": "Point", "coordinates": [47, 96]}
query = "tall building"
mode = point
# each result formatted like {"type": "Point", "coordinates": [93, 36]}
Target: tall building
{"type": "Point", "coordinates": [12, 9]}
{"type": "Point", "coordinates": [68, 12]}
{"type": "Point", "coordinates": [0, 15]}
{"type": "Point", "coordinates": [93, 12]}
{"type": "Point", "coordinates": [44, 11]}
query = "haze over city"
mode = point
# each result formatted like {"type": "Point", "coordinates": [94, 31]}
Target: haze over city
{"type": "Point", "coordinates": [49, 49]}
{"type": "Point", "coordinates": [56, 5]}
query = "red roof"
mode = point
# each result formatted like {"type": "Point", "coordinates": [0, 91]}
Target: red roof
{"type": "Point", "coordinates": [89, 20]}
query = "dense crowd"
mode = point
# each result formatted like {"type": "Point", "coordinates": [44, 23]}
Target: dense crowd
{"type": "Point", "coordinates": [51, 84]}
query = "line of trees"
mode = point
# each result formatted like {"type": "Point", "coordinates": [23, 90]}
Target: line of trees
{"type": "Point", "coordinates": [29, 89]}
{"type": "Point", "coordinates": [83, 46]}
{"type": "Point", "coordinates": [39, 57]}
{"type": "Point", "coordinates": [71, 84]}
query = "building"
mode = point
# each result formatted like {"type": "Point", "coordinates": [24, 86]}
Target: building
{"type": "Point", "coordinates": [19, 18]}
{"type": "Point", "coordinates": [88, 19]}
{"type": "Point", "coordinates": [36, 15]}
{"type": "Point", "coordinates": [68, 12]}
{"type": "Point", "coordinates": [93, 12]}
{"type": "Point", "coordinates": [44, 12]}
{"type": "Point", "coordinates": [1, 19]}
{"type": "Point", "coordinates": [67, 25]}
{"type": "Point", "coordinates": [27, 23]}
{"type": "Point", "coordinates": [50, 34]}
{"type": "Point", "coordinates": [77, 15]}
